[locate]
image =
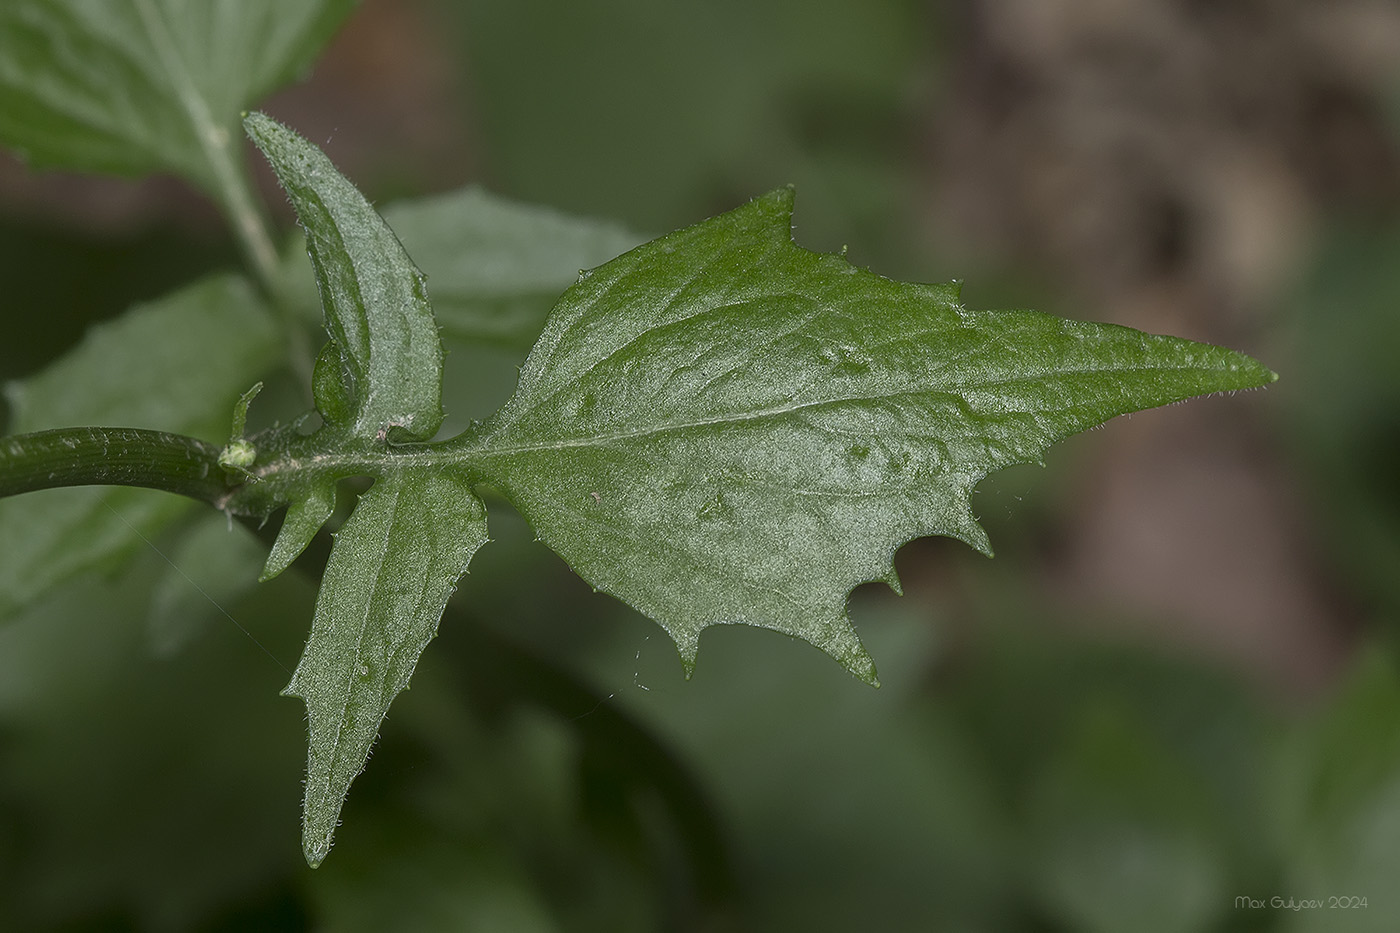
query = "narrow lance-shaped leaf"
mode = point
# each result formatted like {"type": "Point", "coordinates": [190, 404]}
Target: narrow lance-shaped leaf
{"type": "Point", "coordinates": [392, 568]}
{"type": "Point", "coordinates": [496, 266]}
{"type": "Point", "coordinates": [722, 427]}
{"type": "Point", "coordinates": [311, 509]}
{"type": "Point", "coordinates": [381, 373]}
{"type": "Point", "coordinates": [373, 295]}
{"type": "Point", "coordinates": [396, 560]}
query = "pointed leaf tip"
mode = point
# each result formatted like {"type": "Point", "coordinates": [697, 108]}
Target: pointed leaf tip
{"type": "Point", "coordinates": [305, 516]}
{"type": "Point", "coordinates": [863, 668]}
{"type": "Point", "coordinates": [386, 374]}
{"type": "Point", "coordinates": [392, 568]}
{"type": "Point", "coordinates": [768, 435]}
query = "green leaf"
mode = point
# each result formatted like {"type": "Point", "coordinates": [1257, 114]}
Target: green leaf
{"type": "Point", "coordinates": [376, 308]}
{"type": "Point", "coordinates": [239, 423]}
{"type": "Point", "coordinates": [496, 267]}
{"type": "Point", "coordinates": [716, 427]}
{"type": "Point", "coordinates": [153, 367]}
{"type": "Point", "coordinates": [215, 563]}
{"type": "Point", "coordinates": [305, 516]}
{"type": "Point", "coordinates": [721, 427]}
{"type": "Point", "coordinates": [392, 568]}
{"type": "Point", "coordinates": [328, 385]}
{"type": "Point", "coordinates": [240, 453]}
{"type": "Point", "coordinates": [134, 86]}
{"type": "Point", "coordinates": [396, 560]}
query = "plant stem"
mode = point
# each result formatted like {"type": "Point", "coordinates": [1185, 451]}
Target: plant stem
{"type": "Point", "coordinates": [246, 218]}
{"type": "Point", "coordinates": [112, 457]}
{"type": "Point", "coordinates": [222, 150]}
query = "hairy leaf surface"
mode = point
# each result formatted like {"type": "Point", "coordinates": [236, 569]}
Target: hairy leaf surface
{"type": "Point", "coordinates": [716, 427]}
{"type": "Point", "coordinates": [394, 564]}
{"type": "Point", "coordinates": [722, 427]}
{"type": "Point", "coordinates": [376, 307]}
{"type": "Point", "coordinates": [133, 86]}
{"type": "Point", "coordinates": [149, 368]}
{"type": "Point", "coordinates": [308, 511]}
{"type": "Point", "coordinates": [397, 559]}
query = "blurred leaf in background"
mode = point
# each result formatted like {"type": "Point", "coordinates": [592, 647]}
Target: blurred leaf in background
{"type": "Point", "coordinates": [145, 85]}
{"type": "Point", "coordinates": [149, 368]}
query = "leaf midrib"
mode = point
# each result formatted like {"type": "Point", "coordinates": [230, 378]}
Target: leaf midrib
{"type": "Point", "coordinates": [484, 447]}
{"type": "Point", "coordinates": [477, 446]}
{"type": "Point", "coordinates": [362, 624]}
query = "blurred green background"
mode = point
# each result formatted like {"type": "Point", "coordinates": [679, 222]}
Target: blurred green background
{"type": "Point", "coordinates": [1171, 703]}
